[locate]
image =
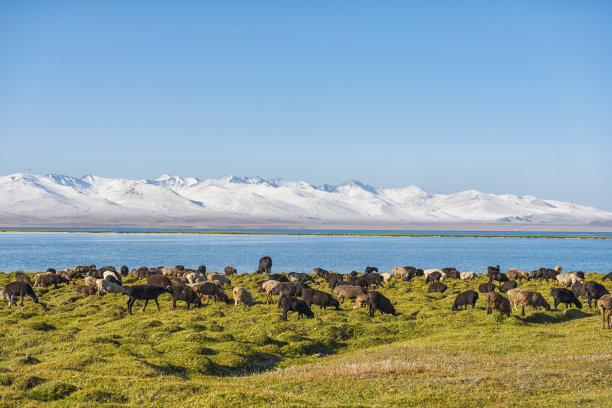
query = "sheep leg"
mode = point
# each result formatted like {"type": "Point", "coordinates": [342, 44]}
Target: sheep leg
{"type": "Point", "coordinates": [603, 319]}
{"type": "Point", "coordinates": [489, 310]}
{"type": "Point", "coordinates": [21, 304]}
{"type": "Point", "coordinates": [158, 309]}
{"type": "Point", "coordinates": [523, 311]}
{"type": "Point", "coordinates": [145, 306]}
{"type": "Point", "coordinates": [129, 305]}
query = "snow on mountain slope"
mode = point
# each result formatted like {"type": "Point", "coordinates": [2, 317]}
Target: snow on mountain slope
{"type": "Point", "coordinates": [41, 199]}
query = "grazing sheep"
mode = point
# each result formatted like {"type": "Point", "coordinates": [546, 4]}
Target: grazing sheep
{"type": "Point", "coordinates": [437, 287]}
{"type": "Point", "coordinates": [321, 273]}
{"type": "Point", "coordinates": [469, 297]}
{"type": "Point", "coordinates": [496, 301]}
{"type": "Point", "coordinates": [407, 273]}
{"type": "Point", "coordinates": [386, 277]}
{"type": "Point", "coordinates": [146, 293]}
{"type": "Point", "coordinates": [605, 305]}
{"type": "Point", "coordinates": [549, 273]}
{"type": "Point", "coordinates": [578, 289]}
{"type": "Point", "coordinates": [51, 270]}
{"type": "Point", "coordinates": [579, 274]}
{"type": "Point", "coordinates": [373, 279]}
{"type": "Point", "coordinates": [370, 269]}
{"type": "Point", "coordinates": [492, 269]}
{"type": "Point", "coordinates": [513, 297]}
{"type": "Point", "coordinates": [467, 275]}
{"type": "Point", "coordinates": [14, 289]}
{"type": "Point", "coordinates": [608, 276]}
{"type": "Point", "coordinates": [71, 275]}
{"type": "Point", "coordinates": [333, 276]}
{"type": "Point", "coordinates": [348, 292]}
{"type": "Point", "coordinates": [399, 271]}
{"type": "Point", "coordinates": [106, 286]}
{"type": "Point", "coordinates": [268, 287]}
{"type": "Point", "coordinates": [566, 279]}
{"type": "Point", "coordinates": [22, 277]}
{"type": "Point", "coordinates": [531, 298]}
{"type": "Point", "coordinates": [515, 274]}
{"type": "Point", "coordinates": [377, 301]}
{"type": "Point", "coordinates": [288, 289]}
{"type": "Point", "coordinates": [241, 295]}
{"type": "Point", "coordinates": [124, 270]}
{"type": "Point", "coordinates": [38, 277]}
{"type": "Point", "coordinates": [229, 271]}
{"type": "Point", "coordinates": [361, 301]}
{"type": "Point", "coordinates": [289, 303]}
{"type": "Point", "coordinates": [498, 276]}
{"type": "Point", "coordinates": [170, 272]}
{"type": "Point", "coordinates": [210, 290]}
{"type": "Point", "coordinates": [358, 281]}
{"type": "Point", "coordinates": [185, 294]}
{"type": "Point", "coordinates": [159, 280]}
{"type": "Point", "coordinates": [333, 283]}
{"type": "Point", "coordinates": [320, 298]}
{"type": "Point", "coordinates": [433, 277]}
{"type": "Point", "coordinates": [85, 290]}
{"type": "Point", "coordinates": [47, 280]}
{"type": "Point", "coordinates": [486, 287]}
{"type": "Point", "coordinates": [594, 291]}
{"type": "Point", "coordinates": [94, 273]}
{"type": "Point", "coordinates": [299, 277]}
{"type": "Point", "coordinates": [90, 281]}
{"type": "Point", "coordinates": [221, 279]}
{"type": "Point", "coordinates": [426, 272]}
{"type": "Point", "coordinates": [193, 277]}
{"type": "Point", "coordinates": [558, 268]}
{"type": "Point", "coordinates": [353, 274]}
{"type": "Point", "coordinates": [265, 265]}
{"type": "Point", "coordinates": [508, 285]}
{"type": "Point", "coordinates": [562, 295]}
{"type": "Point", "coordinates": [278, 277]}
{"type": "Point", "coordinates": [112, 276]}
{"type": "Point", "coordinates": [451, 273]}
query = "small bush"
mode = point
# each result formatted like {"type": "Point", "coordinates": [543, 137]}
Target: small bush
{"type": "Point", "coordinates": [52, 391]}
{"type": "Point", "coordinates": [42, 326]}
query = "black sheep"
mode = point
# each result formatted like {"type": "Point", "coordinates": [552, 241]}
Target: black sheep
{"type": "Point", "coordinates": [549, 273]}
{"type": "Point", "coordinates": [22, 277]}
{"type": "Point", "coordinates": [594, 291]}
{"type": "Point", "coordinates": [321, 273]}
{"type": "Point", "coordinates": [492, 269]}
{"type": "Point", "coordinates": [159, 280]}
{"type": "Point", "coordinates": [265, 265]}
{"type": "Point", "coordinates": [124, 271]}
{"type": "Point", "coordinates": [562, 295]}
{"type": "Point", "coordinates": [300, 277]}
{"type": "Point", "coordinates": [578, 289]}
{"type": "Point", "coordinates": [437, 287]}
{"type": "Point", "coordinates": [498, 276]}
{"type": "Point", "coordinates": [22, 289]}
{"type": "Point", "coordinates": [469, 297]}
{"type": "Point", "coordinates": [289, 303]}
{"type": "Point", "coordinates": [374, 279]}
{"type": "Point", "coordinates": [370, 269]}
{"type": "Point", "coordinates": [608, 276]}
{"type": "Point", "coordinates": [53, 279]}
{"type": "Point", "coordinates": [185, 294]}
{"type": "Point", "coordinates": [353, 274]}
{"type": "Point", "coordinates": [358, 281]}
{"type": "Point", "coordinates": [202, 269]}
{"type": "Point", "coordinates": [433, 277]}
{"type": "Point", "coordinates": [579, 274]}
{"type": "Point", "coordinates": [508, 285]}
{"type": "Point", "coordinates": [486, 287]}
{"type": "Point", "coordinates": [320, 298]}
{"type": "Point", "coordinates": [337, 282]}
{"type": "Point", "coordinates": [288, 289]}
{"type": "Point", "coordinates": [377, 301]}
{"type": "Point", "coordinates": [333, 276]}
{"type": "Point", "coordinates": [278, 277]}
{"type": "Point", "coordinates": [146, 293]}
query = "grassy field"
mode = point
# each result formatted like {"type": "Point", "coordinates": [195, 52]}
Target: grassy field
{"type": "Point", "coordinates": [73, 351]}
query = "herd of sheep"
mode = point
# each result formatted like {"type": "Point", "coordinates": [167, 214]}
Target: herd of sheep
{"type": "Point", "coordinates": [194, 286]}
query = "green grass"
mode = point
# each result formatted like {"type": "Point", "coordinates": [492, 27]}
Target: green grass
{"type": "Point", "coordinates": [73, 351]}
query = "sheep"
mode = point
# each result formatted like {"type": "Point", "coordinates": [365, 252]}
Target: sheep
{"type": "Point", "coordinates": [229, 270]}
{"type": "Point", "coordinates": [22, 277]}
{"type": "Point", "coordinates": [106, 286]}
{"type": "Point", "coordinates": [579, 274]}
{"type": "Point", "coordinates": [241, 295]}
{"type": "Point", "coordinates": [265, 265]}
{"type": "Point", "coordinates": [201, 270]}
{"type": "Point", "coordinates": [562, 295]}
{"type": "Point", "coordinates": [320, 298]}
{"type": "Point", "coordinates": [467, 275]}
{"type": "Point", "coordinates": [451, 273]}
{"type": "Point", "coordinates": [299, 277]}
{"type": "Point", "coordinates": [71, 275]}
{"type": "Point", "coordinates": [4, 295]}
{"type": "Point", "coordinates": [278, 277]}
{"type": "Point", "coordinates": [426, 272]}
{"type": "Point", "coordinates": [221, 279]}
{"type": "Point", "coordinates": [159, 280]}
{"type": "Point", "coordinates": [333, 276]}
{"type": "Point", "coordinates": [361, 301]}
{"type": "Point", "coordinates": [370, 269]}
{"type": "Point", "coordinates": [38, 277]}
{"type": "Point", "coordinates": [406, 273]}
{"type": "Point", "coordinates": [605, 305]}
{"type": "Point", "coordinates": [469, 297]}
{"type": "Point", "coordinates": [210, 290]}
{"type": "Point", "coordinates": [437, 287]}
{"type": "Point", "coordinates": [170, 271]}
{"type": "Point", "coordinates": [354, 274]}
{"type": "Point", "coordinates": [486, 287]}
{"type": "Point", "coordinates": [496, 301]}
{"type": "Point", "coordinates": [594, 291]}
{"type": "Point", "coordinates": [186, 294]}
{"type": "Point", "coordinates": [115, 277]}
{"type": "Point", "coordinates": [377, 301]}
{"type": "Point", "coordinates": [399, 271]}
{"type": "Point", "coordinates": [568, 279]}
{"type": "Point", "coordinates": [578, 289]}
{"type": "Point", "coordinates": [268, 286]}
{"type": "Point", "coordinates": [386, 277]}
{"type": "Point", "coordinates": [94, 273]}
{"type": "Point", "coordinates": [51, 270]}
{"type": "Point", "coordinates": [146, 293]}
{"type": "Point", "coordinates": [14, 289]}
{"type": "Point", "coordinates": [321, 273]}
{"type": "Point", "coordinates": [289, 303]}
{"type": "Point", "coordinates": [507, 286]}
{"type": "Point", "coordinates": [373, 279]}
{"type": "Point", "coordinates": [493, 269]}
{"type": "Point", "coordinates": [124, 270]}
{"type": "Point", "coordinates": [333, 283]}
{"type": "Point", "coordinates": [558, 268]}
{"type": "Point", "coordinates": [513, 297]}
{"type": "Point", "coordinates": [47, 280]}
{"type": "Point", "coordinates": [193, 277]}
{"type": "Point", "coordinates": [85, 290]}
{"type": "Point", "coordinates": [515, 274]}
{"type": "Point", "coordinates": [608, 276]}
{"type": "Point", "coordinates": [549, 273]}
{"type": "Point", "coordinates": [433, 277]}
{"type": "Point", "coordinates": [288, 289]}
{"type": "Point", "coordinates": [531, 298]}
{"type": "Point", "coordinates": [358, 281]}
{"type": "Point", "coordinates": [348, 292]}
{"type": "Point", "coordinates": [498, 276]}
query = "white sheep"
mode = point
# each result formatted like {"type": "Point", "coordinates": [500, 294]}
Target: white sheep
{"type": "Point", "coordinates": [193, 277]}
{"type": "Point", "coordinates": [426, 272]}
{"type": "Point", "coordinates": [220, 279]}
{"type": "Point", "coordinates": [513, 297]}
{"type": "Point", "coordinates": [468, 275]}
{"type": "Point", "coordinates": [106, 286]}
{"type": "Point", "coordinates": [91, 281]}
{"type": "Point", "coordinates": [170, 271]}
{"type": "Point", "coordinates": [241, 295]}
{"type": "Point", "coordinates": [568, 279]}
{"type": "Point", "coordinates": [111, 273]}
{"type": "Point", "coordinates": [3, 295]}
{"type": "Point", "coordinates": [386, 277]}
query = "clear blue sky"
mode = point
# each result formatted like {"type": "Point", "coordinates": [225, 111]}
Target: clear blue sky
{"type": "Point", "coordinates": [503, 97]}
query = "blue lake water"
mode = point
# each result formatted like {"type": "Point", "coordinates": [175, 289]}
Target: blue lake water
{"type": "Point", "coordinates": [37, 251]}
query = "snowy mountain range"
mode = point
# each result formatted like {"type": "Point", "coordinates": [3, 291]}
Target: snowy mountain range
{"type": "Point", "coordinates": [252, 202]}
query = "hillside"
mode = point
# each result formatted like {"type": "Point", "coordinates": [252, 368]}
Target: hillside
{"type": "Point", "coordinates": [90, 351]}
{"type": "Point", "coordinates": [243, 202]}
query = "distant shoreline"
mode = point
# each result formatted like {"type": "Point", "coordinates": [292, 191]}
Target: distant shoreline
{"type": "Point", "coordinates": [365, 234]}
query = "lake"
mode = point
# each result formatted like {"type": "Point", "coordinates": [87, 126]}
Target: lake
{"type": "Point", "coordinates": [37, 251]}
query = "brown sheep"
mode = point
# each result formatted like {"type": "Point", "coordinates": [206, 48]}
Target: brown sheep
{"type": "Point", "coordinates": [348, 292]}
{"type": "Point", "coordinates": [605, 305]}
{"type": "Point", "coordinates": [210, 290]}
{"type": "Point", "coordinates": [22, 277]}
{"type": "Point", "coordinates": [229, 270]}
{"type": "Point", "coordinates": [531, 298]}
{"type": "Point", "coordinates": [496, 301]}
{"type": "Point", "coordinates": [85, 290]}
{"type": "Point", "coordinates": [159, 280]}
{"type": "Point", "coordinates": [241, 295]}
{"type": "Point", "coordinates": [514, 274]}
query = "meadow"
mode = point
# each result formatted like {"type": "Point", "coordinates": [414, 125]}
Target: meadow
{"type": "Point", "coordinates": [74, 351]}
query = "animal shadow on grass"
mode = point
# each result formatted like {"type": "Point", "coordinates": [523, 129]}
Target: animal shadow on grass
{"type": "Point", "coordinates": [168, 369]}
{"type": "Point", "coordinates": [570, 314]}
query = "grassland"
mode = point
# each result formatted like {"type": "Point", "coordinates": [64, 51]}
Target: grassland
{"type": "Point", "coordinates": [73, 351]}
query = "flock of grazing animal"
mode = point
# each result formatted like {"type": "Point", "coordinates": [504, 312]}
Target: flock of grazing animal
{"type": "Point", "coordinates": [192, 286]}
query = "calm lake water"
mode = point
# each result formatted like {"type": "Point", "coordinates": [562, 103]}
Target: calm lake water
{"type": "Point", "coordinates": [36, 251]}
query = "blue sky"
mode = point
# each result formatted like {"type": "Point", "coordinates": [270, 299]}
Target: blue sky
{"type": "Point", "coordinates": [503, 97]}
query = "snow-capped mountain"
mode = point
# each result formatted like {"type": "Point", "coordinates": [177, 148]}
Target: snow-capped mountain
{"type": "Point", "coordinates": [171, 201]}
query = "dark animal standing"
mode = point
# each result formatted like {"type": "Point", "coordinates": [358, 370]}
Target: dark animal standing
{"type": "Point", "coordinates": [508, 285]}
{"type": "Point", "coordinates": [495, 301]}
{"type": "Point", "coordinates": [486, 287]}
{"type": "Point", "coordinates": [578, 289]}
{"type": "Point", "coordinates": [85, 290]}
{"type": "Point", "coordinates": [210, 290]}
{"type": "Point", "coordinates": [278, 277]}
{"type": "Point", "coordinates": [562, 295]}
{"type": "Point", "coordinates": [146, 293]}
{"type": "Point", "coordinates": [549, 274]}
{"type": "Point", "coordinates": [291, 304]}
{"type": "Point", "coordinates": [608, 276]}
{"type": "Point", "coordinates": [53, 279]}
{"type": "Point", "coordinates": [291, 289]}
{"type": "Point", "coordinates": [21, 289]}
{"type": "Point", "coordinates": [229, 271]}
{"type": "Point", "coordinates": [498, 276]}
{"type": "Point", "coordinates": [469, 297]}
{"type": "Point", "coordinates": [300, 277]}
{"type": "Point", "coordinates": [185, 294]}
{"type": "Point", "coordinates": [124, 271]}
{"type": "Point", "coordinates": [159, 280]}
{"type": "Point", "coordinates": [437, 287]}
{"type": "Point", "coordinates": [370, 269]}
{"type": "Point", "coordinates": [265, 265]}
{"type": "Point", "coordinates": [377, 301]}
{"type": "Point", "coordinates": [22, 277]}
{"type": "Point", "coordinates": [433, 277]}
{"type": "Point", "coordinates": [321, 273]}
{"type": "Point", "coordinates": [492, 269]}
{"type": "Point", "coordinates": [319, 298]}
{"type": "Point", "coordinates": [594, 291]}
{"type": "Point", "coordinates": [202, 269]}
{"type": "Point", "coordinates": [579, 274]}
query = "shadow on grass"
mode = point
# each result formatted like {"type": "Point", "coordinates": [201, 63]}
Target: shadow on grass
{"type": "Point", "coordinates": [570, 314]}
{"type": "Point", "coordinates": [167, 369]}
